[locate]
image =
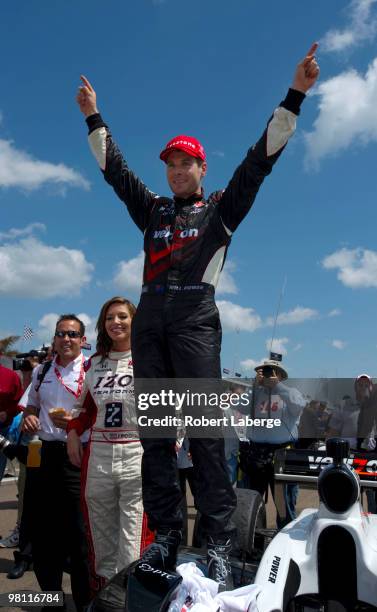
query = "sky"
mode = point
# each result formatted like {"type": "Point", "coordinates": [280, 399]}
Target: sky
{"type": "Point", "coordinates": [306, 255]}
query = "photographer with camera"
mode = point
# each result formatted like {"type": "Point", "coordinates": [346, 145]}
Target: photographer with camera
{"type": "Point", "coordinates": [26, 362]}
{"type": "Point", "coordinates": [271, 399]}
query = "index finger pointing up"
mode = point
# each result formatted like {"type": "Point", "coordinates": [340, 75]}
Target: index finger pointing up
{"type": "Point", "coordinates": [86, 82]}
{"type": "Point", "coordinates": [312, 50]}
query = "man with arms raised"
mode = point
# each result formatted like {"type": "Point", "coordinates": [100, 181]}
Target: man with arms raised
{"type": "Point", "coordinates": [176, 331]}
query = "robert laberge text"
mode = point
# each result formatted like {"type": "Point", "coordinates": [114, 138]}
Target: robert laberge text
{"type": "Point", "coordinates": [190, 421]}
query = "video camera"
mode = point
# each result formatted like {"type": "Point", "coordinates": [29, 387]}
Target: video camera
{"type": "Point", "coordinates": [12, 451]}
{"type": "Point", "coordinates": [22, 363]}
{"type": "Point", "coordinates": [268, 371]}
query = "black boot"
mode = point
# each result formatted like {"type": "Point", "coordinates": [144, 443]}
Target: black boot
{"type": "Point", "coordinates": [218, 563]}
{"type": "Point", "coordinates": [21, 565]}
{"type": "Point", "coordinates": [162, 553]}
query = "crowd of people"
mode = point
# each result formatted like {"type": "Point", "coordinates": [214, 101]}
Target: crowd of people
{"type": "Point", "coordinates": [306, 423]}
{"type": "Point", "coordinates": [94, 481]}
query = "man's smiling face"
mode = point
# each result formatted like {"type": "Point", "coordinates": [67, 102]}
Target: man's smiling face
{"type": "Point", "coordinates": [185, 174]}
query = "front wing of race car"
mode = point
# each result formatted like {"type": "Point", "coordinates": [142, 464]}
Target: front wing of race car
{"type": "Point", "coordinates": [324, 555]}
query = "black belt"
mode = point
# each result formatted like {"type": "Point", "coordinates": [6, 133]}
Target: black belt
{"type": "Point", "coordinates": [57, 444]}
{"type": "Point", "coordinates": [195, 288]}
{"type": "Point", "coordinates": [54, 443]}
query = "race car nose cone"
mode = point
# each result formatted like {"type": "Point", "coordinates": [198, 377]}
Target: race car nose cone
{"type": "Point", "coordinates": [338, 488]}
{"type": "Point", "coordinates": [338, 449]}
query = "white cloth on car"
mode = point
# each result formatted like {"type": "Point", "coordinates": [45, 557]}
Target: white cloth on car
{"type": "Point", "coordinates": [204, 595]}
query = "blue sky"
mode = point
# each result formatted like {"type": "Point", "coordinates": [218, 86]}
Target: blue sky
{"type": "Point", "coordinates": [216, 70]}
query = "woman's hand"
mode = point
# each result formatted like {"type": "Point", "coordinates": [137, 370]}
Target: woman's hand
{"type": "Point", "coordinates": [74, 448]}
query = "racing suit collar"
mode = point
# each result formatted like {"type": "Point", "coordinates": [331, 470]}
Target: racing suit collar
{"type": "Point", "coordinates": [195, 197]}
{"type": "Point", "coordinates": [117, 355]}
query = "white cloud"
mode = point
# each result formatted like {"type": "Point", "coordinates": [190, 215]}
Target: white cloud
{"type": "Point", "coordinates": [90, 324]}
{"type": "Point", "coordinates": [129, 274]}
{"type": "Point", "coordinates": [278, 345]}
{"type": "Point", "coordinates": [357, 268]}
{"type": "Point", "coordinates": [249, 364]}
{"type": "Point", "coordinates": [19, 169]}
{"type": "Point", "coordinates": [335, 40]}
{"type": "Point", "coordinates": [338, 344]}
{"type": "Point", "coordinates": [347, 114]}
{"type": "Point", "coordinates": [31, 269]}
{"type": "Point", "coordinates": [238, 318]}
{"type": "Point", "coordinates": [335, 312]}
{"type": "Point", "coordinates": [16, 232]}
{"type": "Point", "coordinates": [227, 284]}
{"type": "Point", "coordinates": [218, 153]}
{"type": "Point", "coordinates": [293, 317]}
{"type": "Point", "coordinates": [297, 347]}
{"type": "Point", "coordinates": [47, 325]}
{"type": "Point", "coordinates": [362, 27]}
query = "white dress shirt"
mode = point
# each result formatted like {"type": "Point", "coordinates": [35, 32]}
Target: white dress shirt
{"type": "Point", "coordinates": [53, 394]}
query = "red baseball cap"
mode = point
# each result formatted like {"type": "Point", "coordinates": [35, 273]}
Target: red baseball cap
{"type": "Point", "coordinates": [188, 144]}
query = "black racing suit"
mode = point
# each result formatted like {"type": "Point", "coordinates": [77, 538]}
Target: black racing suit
{"type": "Point", "coordinates": [176, 332]}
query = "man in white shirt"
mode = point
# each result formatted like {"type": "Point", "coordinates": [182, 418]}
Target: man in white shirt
{"type": "Point", "coordinates": [59, 531]}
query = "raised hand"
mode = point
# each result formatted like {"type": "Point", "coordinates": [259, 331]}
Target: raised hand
{"type": "Point", "coordinates": [307, 71]}
{"type": "Point", "coordinates": [86, 98]}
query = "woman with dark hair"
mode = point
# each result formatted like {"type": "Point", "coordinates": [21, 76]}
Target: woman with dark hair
{"type": "Point", "coordinates": [111, 471]}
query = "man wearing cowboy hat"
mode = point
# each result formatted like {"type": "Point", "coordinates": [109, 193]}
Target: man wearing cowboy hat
{"type": "Point", "coordinates": [271, 399]}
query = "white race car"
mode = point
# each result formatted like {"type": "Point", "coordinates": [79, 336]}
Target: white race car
{"type": "Point", "coordinates": [326, 559]}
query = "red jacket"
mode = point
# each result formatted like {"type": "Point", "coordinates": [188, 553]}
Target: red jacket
{"type": "Point", "coordinates": [10, 394]}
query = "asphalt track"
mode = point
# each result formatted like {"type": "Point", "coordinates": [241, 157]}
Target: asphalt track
{"type": "Point", "coordinates": [8, 514]}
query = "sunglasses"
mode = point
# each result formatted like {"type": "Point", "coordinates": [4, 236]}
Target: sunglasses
{"type": "Point", "coordinates": [70, 334]}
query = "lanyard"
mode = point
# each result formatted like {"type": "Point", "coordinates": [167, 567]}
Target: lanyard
{"type": "Point", "coordinates": [80, 380]}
